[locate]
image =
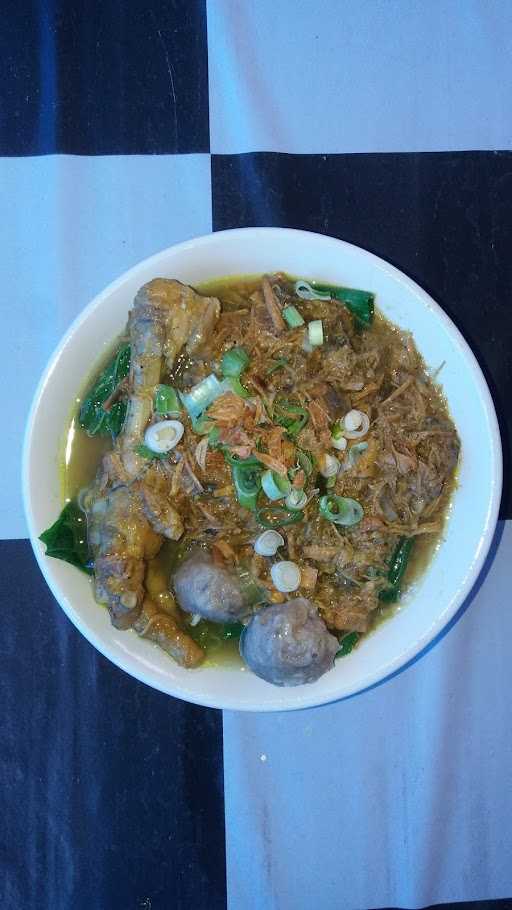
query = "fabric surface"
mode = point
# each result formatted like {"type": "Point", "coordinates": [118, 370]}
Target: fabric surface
{"type": "Point", "coordinates": [405, 788]}
{"type": "Point", "coordinates": [125, 128]}
{"type": "Point", "coordinates": [112, 792]}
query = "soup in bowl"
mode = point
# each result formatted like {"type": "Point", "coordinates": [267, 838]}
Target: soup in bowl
{"type": "Point", "coordinates": [263, 470]}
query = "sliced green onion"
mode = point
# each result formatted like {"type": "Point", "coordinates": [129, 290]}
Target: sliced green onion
{"type": "Point", "coordinates": [316, 333]}
{"type": "Point", "coordinates": [286, 576]}
{"type": "Point", "coordinates": [330, 482]}
{"type": "Point", "coordinates": [338, 439]}
{"type": "Point", "coordinates": [278, 365]}
{"type": "Point", "coordinates": [277, 517]}
{"type": "Point", "coordinates": [237, 387]}
{"type": "Point", "coordinates": [167, 403]}
{"type": "Point", "coordinates": [246, 475]}
{"type": "Point", "coordinates": [352, 420]}
{"type": "Point", "coordinates": [234, 362]}
{"type": "Point", "coordinates": [347, 643]}
{"type": "Point", "coordinates": [202, 425]}
{"type": "Point", "coordinates": [292, 317]}
{"type": "Point", "coordinates": [341, 510]}
{"type": "Point", "coordinates": [203, 395]}
{"type": "Point", "coordinates": [268, 543]}
{"type": "Point", "coordinates": [296, 499]}
{"type": "Point", "coordinates": [305, 461]}
{"type": "Point", "coordinates": [247, 483]}
{"type": "Point", "coordinates": [163, 436]}
{"type": "Point", "coordinates": [274, 485]}
{"type": "Point", "coordinates": [355, 424]}
{"type": "Point", "coordinates": [306, 291]}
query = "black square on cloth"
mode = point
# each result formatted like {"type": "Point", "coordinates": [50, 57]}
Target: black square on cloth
{"type": "Point", "coordinates": [104, 77]}
{"type": "Point", "coordinates": [111, 793]}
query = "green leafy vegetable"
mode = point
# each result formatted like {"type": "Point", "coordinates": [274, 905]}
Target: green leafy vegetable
{"type": "Point", "coordinates": [400, 559]}
{"type": "Point", "coordinates": [66, 539]}
{"type": "Point", "coordinates": [347, 643]}
{"type": "Point", "coordinates": [360, 303]}
{"type": "Point", "coordinates": [396, 571]}
{"type": "Point", "coordinates": [93, 417]}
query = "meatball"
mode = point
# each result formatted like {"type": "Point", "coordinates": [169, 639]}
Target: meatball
{"type": "Point", "coordinates": [203, 587]}
{"type": "Point", "coordinates": [288, 644]}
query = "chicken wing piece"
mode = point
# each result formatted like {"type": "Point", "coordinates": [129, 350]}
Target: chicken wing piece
{"type": "Point", "coordinates": [167, 316]}
{"type": "Point", "coordinates": [121, 540]}
{"type": "Point", "coordinates": [128, 507]}
{"type": "Point", "coordinates": [163, 629]}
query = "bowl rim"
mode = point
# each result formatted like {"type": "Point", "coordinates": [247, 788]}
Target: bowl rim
{"type": "Point", "coordinates": [307, 698]}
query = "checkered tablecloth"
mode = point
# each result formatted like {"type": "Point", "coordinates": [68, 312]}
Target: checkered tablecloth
{"type": "Point", "coordinates": [125, 127]}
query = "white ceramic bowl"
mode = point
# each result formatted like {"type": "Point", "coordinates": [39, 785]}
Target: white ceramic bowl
{"type": "Point", "coordinates": [455, 566]}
